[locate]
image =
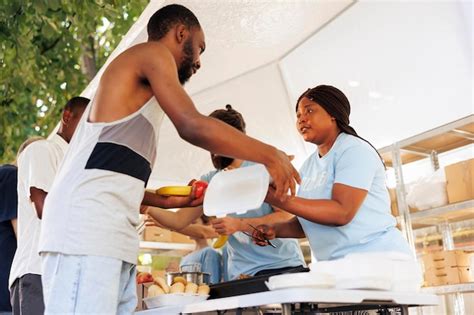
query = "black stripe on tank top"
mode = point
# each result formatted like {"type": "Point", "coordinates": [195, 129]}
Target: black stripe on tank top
{"type": "Point", "coordinates": [120, 159]}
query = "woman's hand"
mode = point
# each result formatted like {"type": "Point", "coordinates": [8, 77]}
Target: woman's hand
{"type": "Point", "coordinates": [262, 233]}
{"type": "Point", "coordinates": [271, 197]}
{"type": "Point", "coordinates": [227, 225]}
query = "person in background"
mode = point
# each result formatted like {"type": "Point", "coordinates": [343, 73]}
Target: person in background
{"type": "Point", "coordinates": [243, 257]}
{"type": "Point", "coordinates": [342, 205]}
{"type": "Point", "coordinates": [203, 258]}
{"type": "Point", "coordinates": [8, 224]}
{"type": "Point", "coordinates": [37, 166]}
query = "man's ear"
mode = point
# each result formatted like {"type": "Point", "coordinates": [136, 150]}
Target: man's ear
{"type": "Point", "coordinates": [181, 33]}
{"type": "Point", "coordinates": [66, 116]}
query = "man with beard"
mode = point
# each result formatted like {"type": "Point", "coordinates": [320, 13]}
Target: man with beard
{"type": "Point", "coordinates": [88, 243]}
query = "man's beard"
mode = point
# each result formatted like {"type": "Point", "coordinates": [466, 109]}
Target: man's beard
{"type": "Point", "coordinates": [185, 70]}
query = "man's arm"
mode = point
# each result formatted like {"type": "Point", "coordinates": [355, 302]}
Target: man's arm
{"type": "Point", "coordinates": [15, 227]}
{"type": "Point", "coordinates": [206, 132]}
{"type": "Point", "coordinates": [230, 225]}
{"type": "Point", "coordinates": [38, 196]}
{"type": "Point", "coordinates": [175, 220]}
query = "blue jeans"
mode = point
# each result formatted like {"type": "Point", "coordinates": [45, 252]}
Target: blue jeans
{"type": "Point", "coordinates": [210, 261]}
{"type": "Point", "coordinates": [88, 285]}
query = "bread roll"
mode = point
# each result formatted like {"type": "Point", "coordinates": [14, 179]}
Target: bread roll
{"type": "Point", "coordinates": [191, 288]}
{"type": "Point", "coordinates": [179, 279]}
{"type": "Point", "coordinates": [177, 288]}
{"type": "Point", "coordinates": [162, 283]}
{"type": "Point", "coordinates": [203, 289]}
{"type": "Point", "coordinates": [155, 290]}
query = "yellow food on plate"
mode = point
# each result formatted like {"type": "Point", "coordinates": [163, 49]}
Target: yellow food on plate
{"type": "Point", "coordinates": [177, 288]}
{"type": "Point", "coordinates": [191, 287]}
{"type": "Point", "coordinates": [179, 279]}
{"type": "Point", "coordinates": [203, 289]}
{"type": "Point", "coordinates": [221, 240]}
{"type": "Point", "coordinates": [162, 283]}
{"type": "Point", "coordinates": [174, 191]}
{"type": "Point", "coordinates": [155, 290]}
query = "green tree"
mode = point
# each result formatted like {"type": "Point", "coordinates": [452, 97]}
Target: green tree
{"type": "Point", "coordinates": [50, 50]}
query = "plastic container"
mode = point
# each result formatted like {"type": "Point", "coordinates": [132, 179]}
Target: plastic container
{"type": "Point", "coordinates": [236, 191]}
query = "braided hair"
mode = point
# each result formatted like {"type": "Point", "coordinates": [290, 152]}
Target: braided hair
{"type": "Point", "coordinates": [233, 118]}
{"type": "Point", "coordinates": [336, 105]}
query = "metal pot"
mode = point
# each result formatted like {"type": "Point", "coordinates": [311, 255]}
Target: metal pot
{"type": "Point", "coordinates": [194, 276]}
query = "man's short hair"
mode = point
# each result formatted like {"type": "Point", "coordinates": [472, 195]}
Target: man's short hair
{"type": "Point", "coordinates": [77, 104]}
{"type": "Point", "coordinates": [165, 18]}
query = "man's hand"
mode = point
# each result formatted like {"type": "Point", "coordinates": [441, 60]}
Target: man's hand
{"type": "Point", "coordinates": [284, 175]}
{"type": "Point", "coordinates": [263, 233]}
{"type": "Point", "coordinates": [227, 225]}
{"type": "Point", "coordinates": [194, 199]}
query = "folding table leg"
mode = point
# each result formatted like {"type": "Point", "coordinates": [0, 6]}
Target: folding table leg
{"type": "Point", "coordinates": [286, 309]}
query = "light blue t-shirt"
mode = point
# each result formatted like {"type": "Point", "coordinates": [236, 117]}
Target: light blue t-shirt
{"type": "Point", "coordinates": [352, 162]}
{"type": "Point", "coordinates": [244, 257]}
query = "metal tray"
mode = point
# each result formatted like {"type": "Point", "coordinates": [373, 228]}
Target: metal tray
{"type": "Point", "coordinates": [246, 286]}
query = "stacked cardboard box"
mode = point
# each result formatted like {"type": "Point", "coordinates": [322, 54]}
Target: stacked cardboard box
{"type": "Point", "coordinates": [460, 181]}
{"type": "Point", "coordinates": [447, 267]}
{"type": "Point", "coordinates": [157, 234]}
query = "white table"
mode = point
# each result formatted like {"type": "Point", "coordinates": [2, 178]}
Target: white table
{"type": "Point", "coordinates": [287, 297]}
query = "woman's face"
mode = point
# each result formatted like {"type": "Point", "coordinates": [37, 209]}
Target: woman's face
{"type": "Point", "coordinates": [313, 122]}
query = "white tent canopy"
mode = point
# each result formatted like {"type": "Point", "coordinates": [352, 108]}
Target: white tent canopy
{"type": "Point", "coordinates": [405, 67]}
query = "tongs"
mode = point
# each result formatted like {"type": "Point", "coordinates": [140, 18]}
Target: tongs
{"type": "Point", "coordinates": [258, 238]}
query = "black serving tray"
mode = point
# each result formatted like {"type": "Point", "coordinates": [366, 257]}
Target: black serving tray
{"type": "Point", "coordinates": [246, 286]}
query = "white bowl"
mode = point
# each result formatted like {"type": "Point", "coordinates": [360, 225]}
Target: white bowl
{"type": "Point", "coordinates": [173, 299]}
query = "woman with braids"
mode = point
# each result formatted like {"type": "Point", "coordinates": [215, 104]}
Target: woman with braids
{"type": "Point", "coordinates": [342, 205]}
{"type": "Point", "coordinates": [241, 255]}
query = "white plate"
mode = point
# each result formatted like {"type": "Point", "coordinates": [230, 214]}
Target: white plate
{"type": "Point", "coordinates": [301, 280]}
{"type": "Point", "coordinates": [173, 299]}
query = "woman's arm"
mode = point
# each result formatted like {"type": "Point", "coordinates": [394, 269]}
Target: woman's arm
{"type": "Point", "coordinates": [338, 211]}
{"type": "Point", "coordinates": [289, 229]}
{"type": "Point", "coordinates": [199, 231]}
{"type": "Point", "coordinates": [175, 220]}
{"type": "Point", "coordinates": [230, 225]}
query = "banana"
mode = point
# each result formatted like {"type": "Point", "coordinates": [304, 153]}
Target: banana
{"type": "Point", "coordinates": [174, 191]}
{"type": "Point", "coordinates": [221, 240]}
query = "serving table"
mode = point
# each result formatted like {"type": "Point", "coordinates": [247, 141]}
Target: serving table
{"type": "Point", "coordinates": [306, 301]}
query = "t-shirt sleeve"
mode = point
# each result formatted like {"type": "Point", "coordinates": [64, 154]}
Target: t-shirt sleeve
{"type": "Point", "coordinates": [357, 167]}
{"type": "Point", "coordinates": [41, 166]}
{"type": "Point", "coordinates": [207, 177]}
{"type": "Point", "coordinates": [9, 197]}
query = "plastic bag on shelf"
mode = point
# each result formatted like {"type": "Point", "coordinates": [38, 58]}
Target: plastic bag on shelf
{"type": "Point", "coordinates": [428, 191]}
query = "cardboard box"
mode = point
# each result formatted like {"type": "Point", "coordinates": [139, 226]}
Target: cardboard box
{"type": "Point", "coordinates": [459, 179]}
{"type": "Point", "coordinates": [156, 234]}
{"type": "Point", "coordinates": [393, 202]}
{"type": "Point", "coordinates": [180, 238]}
{"type": "Point", "coordinates": [448, 275]}
{"type": "Point", "coordinates": [451, 258]}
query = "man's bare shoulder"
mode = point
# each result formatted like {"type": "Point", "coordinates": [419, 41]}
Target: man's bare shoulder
{"type": "Point", "coordinates": [149, 52]}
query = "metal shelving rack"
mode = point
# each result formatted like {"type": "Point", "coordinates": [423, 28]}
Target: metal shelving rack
{"type": "Point", "coordinates": [428, 145]}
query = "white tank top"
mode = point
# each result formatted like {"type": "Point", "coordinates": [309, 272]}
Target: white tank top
{"type": "Point", "coordinates": [93, 205]}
